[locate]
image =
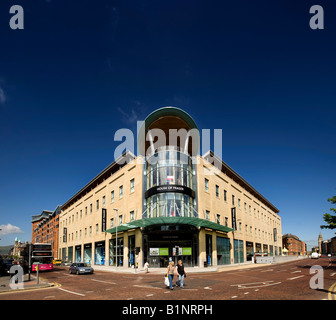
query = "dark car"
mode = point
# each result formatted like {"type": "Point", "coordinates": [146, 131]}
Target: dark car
{"type": "Point", "coordinates": [80, 268]}
{"type": "Point", "coordinates": [6, 265]}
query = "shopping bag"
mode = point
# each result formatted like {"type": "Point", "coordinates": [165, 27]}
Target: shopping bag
{"type": "Point", "coordinates": [166, 281]}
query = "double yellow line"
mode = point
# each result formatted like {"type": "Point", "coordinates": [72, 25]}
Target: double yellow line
{"type": "Point", "coordinates": [332, 292]}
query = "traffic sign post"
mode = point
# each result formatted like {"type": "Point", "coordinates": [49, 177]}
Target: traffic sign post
{"type": "Point", "coordinates": [37, 264]}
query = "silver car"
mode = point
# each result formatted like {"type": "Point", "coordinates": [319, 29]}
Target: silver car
{"type": "Point", "coordinates": [80, 268]}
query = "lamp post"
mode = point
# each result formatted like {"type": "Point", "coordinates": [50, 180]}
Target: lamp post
{"type": "Point", "coordinates": [116, 252]}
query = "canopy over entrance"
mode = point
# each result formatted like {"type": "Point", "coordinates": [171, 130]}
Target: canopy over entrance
{"type": "Point", "coordinates": [196, 222]}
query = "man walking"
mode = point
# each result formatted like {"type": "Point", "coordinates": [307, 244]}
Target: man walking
{"type": "Point", "coordinates": [181, 274]}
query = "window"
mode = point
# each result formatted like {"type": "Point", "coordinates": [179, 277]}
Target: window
{"type": "Point", "coordinates": [90, 230]}
{"type": "Point", "coordinates": [206, 181]}
{"type": "Point", "coordinates": [97, 204]}
{"type": "Point", "coordinates": [207, 214]}
{"type": "Point", "coordinates": [86, 211]}
{"type": "Point", "coordinates": [112, 196]}
{"type": "Point", "coordinates": [96, 228]}
{"type": "Point", "coordinates": [121, 191]}
{"type": "Point", "coordinates": [120, 220]}
{"type": "Point", "coordinates": [132, 215]}
{"type": "Point", "coordinates": [85, 232]}
{"type": "Point", "coordinates": [90, 207]}
{"type": "Point", "coordinates": [218, 218]}
{"type": "Point", "coordinates": [217, 191]}
{"type": "Point", "coordinates": [103, 201]}
{"type": "Point", "coordinates": [233, 200]}
{"type": "Point", "coordinates": [132, 185]}
{"type": "Point", "coordinates": [112, 223]}
{"type": "Point", "coordinates": [226, 221]}
{"type": "Point", "coordinates": [225, 195]}
{"type": "Point", "coordinates": [238, 203]}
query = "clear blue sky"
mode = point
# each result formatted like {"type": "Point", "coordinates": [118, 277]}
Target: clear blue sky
{"type": "Point", "coordinates": [255, 69]}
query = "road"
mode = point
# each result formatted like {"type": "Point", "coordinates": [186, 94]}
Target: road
{"type": "Point", "coordinates": [286, 281]}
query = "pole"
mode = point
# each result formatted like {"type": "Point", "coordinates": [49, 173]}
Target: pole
{"type": "Point", "coordinates": [116, 259]}
{"type": "Point", "coordinates": [37, 272]}
{"type": "Point", "coordinates": [29, 262]}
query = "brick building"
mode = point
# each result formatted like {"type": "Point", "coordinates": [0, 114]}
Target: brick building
{"type": "Point", "coordinates": [45, 228]}
{"type": "Point", "coordinates": [293, 244]}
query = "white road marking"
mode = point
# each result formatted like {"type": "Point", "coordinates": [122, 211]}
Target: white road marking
{"type": "Point", "coordinates": [149, 295]}
{"type": "Point", "coordinates": [207, 288]}
{"type": "Point", "coordinates": [268, 270]}
{"type": "Point", "coordinates": [296, 271]}
{"type": "Point", "coordinates": [295, 277]}
{"type": "Point", "coordinates": [47, 297]}
{"type": "Point", "coordinates": [108, 282]}
{"type": "Point", "coordinates": [333, 274]}
{"type": "Point", "coordinates": [148, 287]}
{"type": "Point", "coordinates": [255, 285]}
{"type": "Point", "coordinates": [79, 294]}
{"type": "Point", "coordinates": [233, 297]}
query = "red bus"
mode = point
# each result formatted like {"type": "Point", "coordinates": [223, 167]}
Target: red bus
{"type": "Point", "coordinates": [42, 253]}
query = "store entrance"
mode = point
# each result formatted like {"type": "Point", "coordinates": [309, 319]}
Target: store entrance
{"type": "Point", "coordinates": [166, 243]}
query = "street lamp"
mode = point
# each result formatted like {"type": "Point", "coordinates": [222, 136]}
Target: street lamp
{"type": "Point", "coordinates": [116, 220]}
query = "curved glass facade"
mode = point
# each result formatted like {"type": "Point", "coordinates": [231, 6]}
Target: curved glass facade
{"type": "Point", "coordinates": [170, 167]}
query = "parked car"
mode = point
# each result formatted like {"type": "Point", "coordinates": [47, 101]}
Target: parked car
{"type": "Point", "coordinates": [80, 268]}
{"type": "Point", "coordinates": [314, 255]}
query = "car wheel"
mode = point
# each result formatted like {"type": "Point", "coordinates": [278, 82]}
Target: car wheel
{"type": "Point", "coordinates": [77, 272]}
{"type": "Point", "coordinates": [70, 271]}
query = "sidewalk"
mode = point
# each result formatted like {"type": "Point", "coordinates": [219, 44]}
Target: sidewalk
{"type": "Point", "coordinates": [27, 285]}
{"type": "Point", "coordinates": [188, 269]}
{"type": "Point", "coordinates": [222, 268]}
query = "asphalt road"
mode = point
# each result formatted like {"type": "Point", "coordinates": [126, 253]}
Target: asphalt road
{"type": "Point", "coordinates": [287, 281]}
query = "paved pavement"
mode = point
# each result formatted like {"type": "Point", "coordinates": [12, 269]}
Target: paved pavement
{"type": "Point", "coordinates": [283, 281]}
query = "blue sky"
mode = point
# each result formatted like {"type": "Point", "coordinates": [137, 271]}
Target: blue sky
{"type": "Point", "coordinates": [77, 73]}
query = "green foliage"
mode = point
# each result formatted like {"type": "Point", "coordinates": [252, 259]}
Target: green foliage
{"type": "Point", "coordinates": [328, 218]}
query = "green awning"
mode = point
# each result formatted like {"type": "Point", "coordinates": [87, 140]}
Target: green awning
{"type": "Point", "coordinates": [143, 223]}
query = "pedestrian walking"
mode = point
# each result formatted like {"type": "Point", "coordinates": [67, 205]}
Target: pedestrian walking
{"type": "Point", "coordinates": [181, 273]}
{"type": "Point", "coordinates": [146, 266]}
{"type": "Point", "coordinates": [170, 274]}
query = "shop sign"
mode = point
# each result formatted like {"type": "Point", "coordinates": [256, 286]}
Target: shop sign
{"type": "Point", "coordinates": [164, 252]}
{"type": "Point", "coordinates": [233, 217]}
{"type": "Point", "coordinates": [186, 251]}
{"type": "Point", "coordinates": [104, 211]}
{"type": "Point", "coordinates": [170, 188]}
{"type": "Point", "coordinates": [154, 251]}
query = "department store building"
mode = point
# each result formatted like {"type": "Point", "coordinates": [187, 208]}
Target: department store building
{"type": "Point", "coordinates": [168, 203]}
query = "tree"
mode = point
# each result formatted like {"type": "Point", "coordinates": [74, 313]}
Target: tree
{"type": "Point", "coordinates": [328, 218]}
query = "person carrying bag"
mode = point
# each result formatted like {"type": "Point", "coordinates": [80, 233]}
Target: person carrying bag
{"type": "Point", "coordinates": [170, 274]}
